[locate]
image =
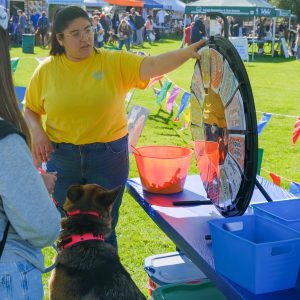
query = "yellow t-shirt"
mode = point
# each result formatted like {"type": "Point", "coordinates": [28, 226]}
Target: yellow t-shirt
{"type": "Point", "coordinates": [85, 101]}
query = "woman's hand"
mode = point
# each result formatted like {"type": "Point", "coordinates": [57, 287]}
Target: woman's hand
{"type": "Point", "coordinates": [41, 146]}
{"type": "Point", "coordinates": [194, 49]}
{"type": "Point", "coordinates": [49, 181]}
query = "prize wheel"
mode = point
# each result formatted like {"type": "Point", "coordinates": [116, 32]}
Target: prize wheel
{"type": "Point", "coordinates": [223, 126]}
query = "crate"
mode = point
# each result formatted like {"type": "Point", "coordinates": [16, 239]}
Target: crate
{"type": "Point", "coordinates": [205, 291]}
{"type": "Point", "coordinates": [286, 212]}
{"type": "Point", "coordinates": [257, 253]}
{"type": "Point", "coordinates": [171, 268]}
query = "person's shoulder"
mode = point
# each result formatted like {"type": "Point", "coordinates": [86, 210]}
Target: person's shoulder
{"type": "Point", "coordinates": [46, 62]}
{"type": "Point", "coordinates": [7, 129]}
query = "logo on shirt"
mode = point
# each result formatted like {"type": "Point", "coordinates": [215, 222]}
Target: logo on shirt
{"type": "Point", "coordinates": [98, 75]}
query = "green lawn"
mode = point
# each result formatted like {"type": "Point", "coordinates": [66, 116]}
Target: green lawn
{"type": "Point", "coordinates": [276, 88]}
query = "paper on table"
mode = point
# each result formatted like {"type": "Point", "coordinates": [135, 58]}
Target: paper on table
{"type": "Point", "coordinates": [188, 212]}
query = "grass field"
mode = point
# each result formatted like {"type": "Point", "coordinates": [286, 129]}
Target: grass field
{"type": "Point", "coordinates": [276, 88]}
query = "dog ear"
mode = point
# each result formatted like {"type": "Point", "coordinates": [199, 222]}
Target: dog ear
{"type": "Point", "coordinates": [111, 195]}
{"type": "Point", "coordinates": [75, 192]}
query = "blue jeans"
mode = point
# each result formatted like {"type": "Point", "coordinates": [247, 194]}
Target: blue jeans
{"type": "Point", "coordinates": [126, 42]}
{"type": "Point", "coordinates": [106, 164]}
{"type": "Point", "coordinates": [20, 280]}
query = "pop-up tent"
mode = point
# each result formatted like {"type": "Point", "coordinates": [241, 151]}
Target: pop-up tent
{"type": "Point", "coordinates": [134, 3]}
{"type": "Point", "coordinates": [175, 5]}
{"type": "Point", "coordinates": [232, 7]}
{"type": "Point", "coordinates": [152, 4]}
{"type": "Point", "coordinates": [251, 8]}
{"type": "Point", "coordinates": [65, 2]}
{"type": "Point", "coordinates": [95, 3]}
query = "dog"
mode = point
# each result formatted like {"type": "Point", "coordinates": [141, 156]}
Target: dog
{"type": "Point", "coordinates": [89, 268]}
{"type": "Point", "coordinates": [112, 38]}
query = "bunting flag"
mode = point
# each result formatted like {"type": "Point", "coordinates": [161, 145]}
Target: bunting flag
{"type": "Point", "coordinates": [295, 188]}
{"type": "Point", "coordinates": [263, 122]}
{"type": "Point", "coordinates": [174, 93]}
{"type": "Point", "coordinates": [296, 133]}
{"type": "Point", "coordinates": [154, 80]}
{"type": "Point", "coordinates": [187, 116]}
{"type": "Point", "coordinates": [184, 102]}
{"type": "Point", "coordinates": [156, 91]}
{"type": "Point", "coordinates": [275, 178]}
{"type": "Point", "coordinates": [163, 92]}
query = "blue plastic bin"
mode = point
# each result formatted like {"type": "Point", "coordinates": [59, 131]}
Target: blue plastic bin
{"type": "Point", "coordinates": [169, 268]}
{"type": "Point", "coordinates": [204, 291]}
{"type": "Point", "coordinates": [257, 253]}
{"type": "Point", "coordinates": [286, 212]}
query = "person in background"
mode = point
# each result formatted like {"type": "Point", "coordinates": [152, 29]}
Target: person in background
{"type": "Point", "coordinates": [139, 23]}
{"type": "Point", "coordinates": [198, 30]}
{"type": "Point", "coordinates": [43, 26]}
{"type": "Point", "coordinates": [161, 15]}
{"type": "Point", "coordinates": [188, 20]}
{"type": "Point", "coordinates": [21, 25]}
{"type": "Point", "coordinates": [133, 29]}
{"type": "Point", "coordinates": [14, 20]}
{"type": "Point", "coordinates": [98, 32]}
{"type": "Point", "coordinates": [115, 22]}
{"type": "Point", "coordinates": [187, 34]}
{"type": "Point", "coordinates": [125, 33]}
{"type": "Point", "coordinates": [261, 36]}
{"type": "Point", "coordinates": [81, 92]}
{"type": "Point", "coordinates": [105, 26]}
{"type": "Point", "coordinates": [27, 213]}
{"type": "Point", "coordinates": [34, 19]}
{"type": "Point", "coordinates": [131, 18]}
{"type": "Point", "coordinates": [3, 17]}
{"type": "Point", "coordinates": [298, 42]}
{"type": "Point", "coordinates": [292, 43]}
{"type": "Point", "coordinates": [235, 27]}
{"type": "Point", "coordinates": [149, 29]}
{"type": "Point", "coordinates": [219, 27]}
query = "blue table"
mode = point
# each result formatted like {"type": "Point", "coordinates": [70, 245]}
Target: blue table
{"type": "Point", "coordinates": [187, 227]}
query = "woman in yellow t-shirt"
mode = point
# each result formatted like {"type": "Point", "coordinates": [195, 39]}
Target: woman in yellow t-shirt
{"type": "Point", "coordinates": [81, 90]}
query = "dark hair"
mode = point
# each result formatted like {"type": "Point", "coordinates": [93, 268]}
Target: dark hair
{"type": "Point", "coordinates": [9, 105]}
{"type": "Point", "coordinates": [63, 17]}
{"type": "Point", "coordinates": [149, 17]}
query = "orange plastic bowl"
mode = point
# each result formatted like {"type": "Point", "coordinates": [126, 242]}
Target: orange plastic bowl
{"type": "Point", "coordinates": [163, 169]}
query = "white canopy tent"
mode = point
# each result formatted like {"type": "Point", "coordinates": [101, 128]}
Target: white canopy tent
{"type": "Point", "coordinates": [175, 5]}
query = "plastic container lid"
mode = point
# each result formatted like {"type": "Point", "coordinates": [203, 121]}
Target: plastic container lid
{"type": "Point", "coordinates": [286, 212]}
{"type": "Point", "coordinates": [205, 291]}
{"type": "Point", "coordinates": [172, 267]}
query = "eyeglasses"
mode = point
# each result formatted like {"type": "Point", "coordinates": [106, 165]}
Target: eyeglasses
{"type": "Point", "coordinates": [78, 34]}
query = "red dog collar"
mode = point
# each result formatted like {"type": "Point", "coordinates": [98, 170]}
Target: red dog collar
{"type": "Point", "coordinates": [79, 212]}
{"type": "Point", "coordinates": [78, 238]}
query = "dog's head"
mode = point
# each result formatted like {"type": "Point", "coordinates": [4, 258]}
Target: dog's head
{"type": "Point", "coordinates": [91, 197]}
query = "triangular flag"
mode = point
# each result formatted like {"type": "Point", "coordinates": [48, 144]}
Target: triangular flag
{"type": "Point", "coordinates": [187, 116]}
{"type": "Point", "coordinates": [295, 188]}
{"type": "Point", "coordinates": [296, 133]}
{"type": "Point", "coordinates": [184, 102]}
{"type": "Point", "coordinates": [156, 91]}
{"type": "Point", "coordinates": [263, 122]}
{"type": "Point", "coordinates": [163, 92]}
{"type": "Point", "coordinates": [154, 80]}
{"type": "Point", "coordinates": [275, 178]}
{"type": "Point", "coordinates": [174, 93]}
